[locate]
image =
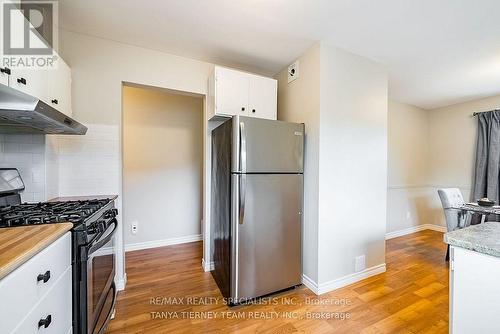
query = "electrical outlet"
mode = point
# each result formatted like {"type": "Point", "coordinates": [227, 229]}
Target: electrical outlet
{"type": "Point", "coordinates": [134, 227]}
{"type": "Point", "coordinates": [360, 263]}
{"type": "Point", "coordinates": [293, 71]}
{"type": "Point", "coordinates": [408, 215]}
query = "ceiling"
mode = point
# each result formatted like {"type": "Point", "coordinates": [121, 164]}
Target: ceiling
{"type": "Point", "coordinates": [437, 52]}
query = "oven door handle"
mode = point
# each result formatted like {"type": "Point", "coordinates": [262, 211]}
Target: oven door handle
{"type": "Point", "coordinates": [105, 324]}
{"type": "Point", "coordinates": [104, 241]}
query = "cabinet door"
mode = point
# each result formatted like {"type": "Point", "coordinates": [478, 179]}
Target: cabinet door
{"type": "Point", "coordinates": [4, 77]}
{"type": "Point", "coordinates": [474, 292]}
{"type": "Point", "coordinates": [30, 81]}
{"type": "Point", "coordinates": [231, 91]}
{"type": "Point", "coordinates": [263, 97]}
{"type": "Point", "coordinates": [59, 90]}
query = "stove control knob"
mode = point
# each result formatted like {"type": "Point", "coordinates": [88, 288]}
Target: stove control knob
{"type": "Point", "coordinates": [92, 229]}
{"type": "Point", "coordinates": [112, 213]}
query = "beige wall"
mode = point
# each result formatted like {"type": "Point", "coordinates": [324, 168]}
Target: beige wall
{"type": "Point", "coordinates": [352, 164]}
{"type": "Point", "coordinates": [428, 150]}
{"type": "Point", "coordinates": [408, 137]}
{"type": "Point", "coordinates": [342, 99]}
{"type": "Point", "coordinates": [452, 148]}
{"type": "Point", "coordinates": [162, 165]}
{"type": "Point", "coordinates": [299, 102]}
{"type": "Point", "coordinates": [408, 167]}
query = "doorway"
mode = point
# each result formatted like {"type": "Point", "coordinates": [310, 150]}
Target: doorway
{"type": "Point", "coordinates": [162, 167]}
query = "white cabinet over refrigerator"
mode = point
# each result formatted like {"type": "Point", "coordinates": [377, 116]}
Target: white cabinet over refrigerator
{"type": "Point", "coordinates": [232, 92]}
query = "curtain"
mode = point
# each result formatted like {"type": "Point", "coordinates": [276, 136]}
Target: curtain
{"type": "Point", "coordinates": [487, 164]}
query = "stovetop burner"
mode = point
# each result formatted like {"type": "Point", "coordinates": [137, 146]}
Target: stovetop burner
{"type": "Point", "coordinates": [49, 212]}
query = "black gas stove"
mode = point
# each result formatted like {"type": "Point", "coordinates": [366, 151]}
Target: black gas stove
{"type": "Point", "coordinates": [75, 212]}
{"type": "Point", "coordinates": [93, 246]}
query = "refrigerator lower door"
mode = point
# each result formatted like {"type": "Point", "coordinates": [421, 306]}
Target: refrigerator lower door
{"type": "Point", "coordinates": [267, 240]}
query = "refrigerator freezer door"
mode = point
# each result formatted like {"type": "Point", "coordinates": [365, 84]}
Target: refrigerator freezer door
{"type": "Point", "coordinates": [266, 146]}
{"type": "Point", "coordinates": [268, 233]}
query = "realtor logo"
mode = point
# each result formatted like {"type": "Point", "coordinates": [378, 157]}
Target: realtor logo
{"type": "Point", "coordinates": [29, 33]}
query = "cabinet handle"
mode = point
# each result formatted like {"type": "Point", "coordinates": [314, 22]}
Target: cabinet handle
{"type": "Point", "coordinates": [45, 322]}
{"type": "Point", "coordinates": [5, 70]}
{"type": "Point", "coordinates": [242, 108]}
{"type": "Point", "coordinates": [43, 277]}
{"type": "Point", "coordinates": [253, 110]}
{"type": "Point", "coordinates": [21, 81]}
{"type": "Point", "coordinates": [54, 101]}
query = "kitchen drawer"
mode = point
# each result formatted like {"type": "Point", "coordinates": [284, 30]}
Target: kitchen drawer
{"type": "Point", "coordinates": [20, 291]}
{"type": "Point", "coordinates": [56, 304]}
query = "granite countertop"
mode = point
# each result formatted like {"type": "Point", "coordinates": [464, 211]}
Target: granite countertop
{"type": "Point", "coordinates": [19, 244]}
{"type": "Point", "coordinates": [483, 238]}
{"type": "Point", "coordinates": [83, 198]}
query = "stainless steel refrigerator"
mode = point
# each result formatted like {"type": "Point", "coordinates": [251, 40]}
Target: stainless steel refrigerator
{"type": "Point", "coordinates": [256, 213]}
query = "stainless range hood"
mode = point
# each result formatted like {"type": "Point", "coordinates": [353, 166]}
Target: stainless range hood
{"type": "Point", "coordinates": [22, 113]}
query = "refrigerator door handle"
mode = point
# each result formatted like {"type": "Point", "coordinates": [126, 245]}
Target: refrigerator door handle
{"type": "Point", "coordinates": [243, 148]}
{"type": "Point", "coordinates": [242, 191]}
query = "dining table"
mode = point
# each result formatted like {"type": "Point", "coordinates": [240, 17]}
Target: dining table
{"type": "Point", "coordinates": [474, 208]}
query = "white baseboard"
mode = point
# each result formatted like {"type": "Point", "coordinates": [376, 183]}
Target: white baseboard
{"type": "Point", "coordinates": [207, 266]}
{"type": "Point", "coordinates": [311, 285]}
{"type": "Point", "coordinates": [341, 282]}
{"type": "Point", "coordinates": [414, 229]}
{"type": "Point", "coordinates": [121, 283]}
{"type": "Point", "coordinates": [162, 243]}
{"type": "Point", "coordinates": [435, 227]}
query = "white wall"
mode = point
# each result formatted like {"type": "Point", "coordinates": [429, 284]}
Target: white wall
{"type": "Point", "coordinates": [162, 165]}
{"type": "Point", "coordinates": [352, 163]}
{"type": "Point", "coordinates": [99, 68]}
{"type": "Point", "coordinates": [408, 167]}
{"type": "Point", "coordinates": [346, 159]}
{"type": "Point", "coordinates": [299, 102]}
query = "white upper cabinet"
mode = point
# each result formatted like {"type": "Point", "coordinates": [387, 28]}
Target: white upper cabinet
{"type": "Point", "coordinates": [232, 92]}
{"type": "Point", "coordinates": [51, 85]}
{"type": "Point", "coordinates": [30, 81]}
{"type": "Point", "coordinates": [59, 88]}
{"type": "Point", "coordinates": [263, 95]}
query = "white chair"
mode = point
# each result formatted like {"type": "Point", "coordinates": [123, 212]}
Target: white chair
{"type": "Point", "coordinates": [455, 219]}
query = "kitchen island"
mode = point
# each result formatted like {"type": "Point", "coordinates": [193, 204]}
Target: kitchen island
{"type": "Point", "coordinates": [475, 278]}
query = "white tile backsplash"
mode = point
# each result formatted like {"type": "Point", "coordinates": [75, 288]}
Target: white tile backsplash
{"type": "Point", "coordinates": [26, 153]}
{"type": "Point", "coordinates": [90, 164]}
{"type": "Point", "coordinates": [62, 165]}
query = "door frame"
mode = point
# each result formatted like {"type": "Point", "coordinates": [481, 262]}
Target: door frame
{"type": "Point", "coordinates": [206, 171]}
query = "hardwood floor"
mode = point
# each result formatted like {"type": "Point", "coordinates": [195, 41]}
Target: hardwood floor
{"type": "Point", "coordinates": [411, 297]}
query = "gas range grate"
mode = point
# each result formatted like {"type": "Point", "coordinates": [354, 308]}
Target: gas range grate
{"type": "Point", "coordinates": [49, 212]}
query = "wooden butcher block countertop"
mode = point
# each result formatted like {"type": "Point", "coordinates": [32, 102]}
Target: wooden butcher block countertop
{"type": "Point", "coordinates": [19, 244]}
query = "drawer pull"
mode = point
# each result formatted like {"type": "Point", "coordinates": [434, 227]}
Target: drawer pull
{"type": "Point", "coordinates": [45, 322]}
{"type": "Point", "coordinates": [21, 81]}
{"type": "Point", "coordinates": [5, 70]}
{"type": "Point", "coordinates": [43, 277]}
{"type": "Point", "coordinates": [54, 101]}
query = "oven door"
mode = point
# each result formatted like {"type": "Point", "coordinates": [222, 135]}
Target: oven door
{"type": "Point", "coordinates": [101, 291]}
